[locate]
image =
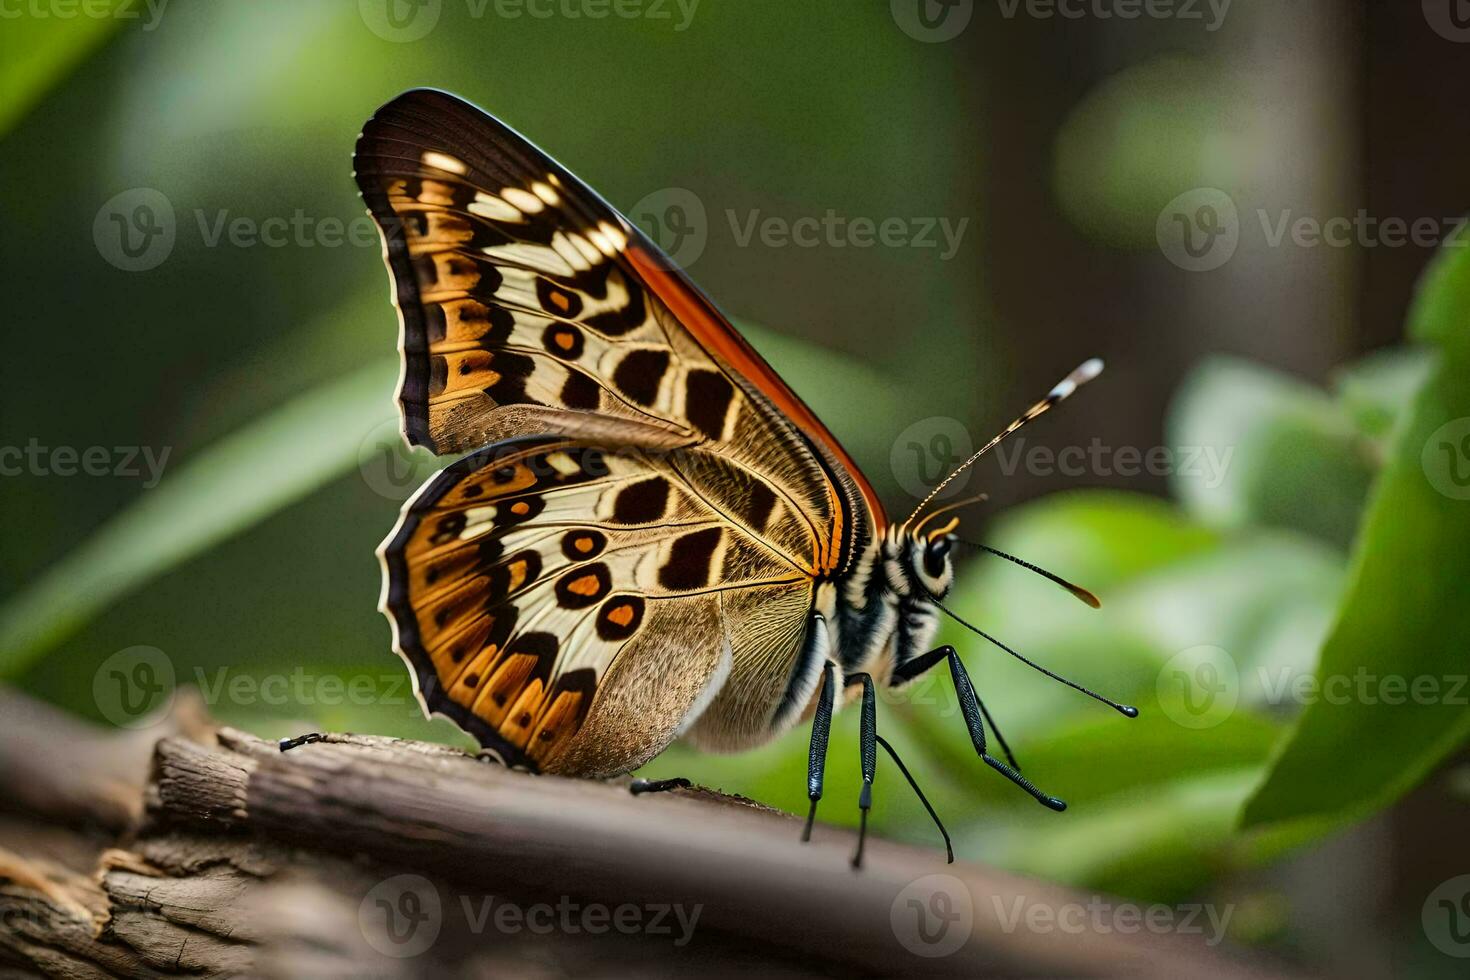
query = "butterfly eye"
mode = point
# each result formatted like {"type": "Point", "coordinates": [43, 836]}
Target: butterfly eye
{"type": "Point", "coordinates": [934, 555]}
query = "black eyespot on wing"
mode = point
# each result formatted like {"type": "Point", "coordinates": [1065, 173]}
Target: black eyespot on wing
{"type": "Point", "coordinates": [581, 545]}
{"type": "Point", "coordinates": [755, 509]}
{"type": "Point", "coordinates": [620, 617]}
{"type": "Point", "coordinates": [556, 300]}
{"type": "Point", "coordinates": [580, 392]}
{"type": "Point", "coordinates": [691, 558]}
{"type": "Point", "coordinates": [707, 397]}
{"type": "Point", "coordinates": [639, 374]}
{"type": "Point", "coordinates": [564, 341]}
{"type": "Point", "coordinates": [583, 586]}
{"type": "Point", "coordinates": [520, 510]}
{"type": "Point", "coordinates": [511, 370]}
{"type": "Point", "coordinates": [643, 502]}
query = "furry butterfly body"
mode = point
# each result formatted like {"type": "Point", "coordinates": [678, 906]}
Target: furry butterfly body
{"type": "Point", "coordinates": [652, 536]}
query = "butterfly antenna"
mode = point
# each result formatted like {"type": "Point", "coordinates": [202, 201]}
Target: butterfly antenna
{"type": "Point", "coordinates": [949, 507]}
{"type": "Point", "coordinates": [1077, 590]}
{"type": "Point", "coordinates": [1084, 373]}
{"type": "Point", "coordinates": [1124, 709]}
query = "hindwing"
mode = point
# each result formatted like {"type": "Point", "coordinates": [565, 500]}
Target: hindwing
{"type": "Point", "coordinates": [519, 576]}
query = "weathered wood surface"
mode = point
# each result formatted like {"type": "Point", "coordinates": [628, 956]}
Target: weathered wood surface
{"type": "Point", "coordinates": [212, 854]}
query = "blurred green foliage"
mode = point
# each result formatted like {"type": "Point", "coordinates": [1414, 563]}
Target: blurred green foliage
{"type": "Point", "coordinates": [1322, 549]}
{"type": "Point", "coordinates": [1171, 122]}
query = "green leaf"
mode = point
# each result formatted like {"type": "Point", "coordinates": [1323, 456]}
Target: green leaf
{"type": "Point", "coordinates": [1269, 450]}
{"type": "Point", "coordinates": [1379, 389]}
{"type": "Point", "coordinates": [37, 53]}
{"type": "Point", "coordinates": [1407, 608]}
{"type": "Point", "coordinates": [244, 478]}
{"type": "Point", "coordinates": [1100, 759]}
{"type": "Point", "coordinates": [1163, 843]}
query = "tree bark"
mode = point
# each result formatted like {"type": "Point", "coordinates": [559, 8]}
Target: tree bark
{"type": "Point", "coordinates": [222, 856]}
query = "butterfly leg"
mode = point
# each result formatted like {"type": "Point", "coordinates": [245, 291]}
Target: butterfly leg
{"type": "Point", "coordinates": [920, 665]}
{"type": "Point", "coordinates": [975, 717]}
{"type": "Point", "coordinates": [868, 754]}
{"type": "Point", "coordinates": [287, 744]}
{"type": "Point", "coordinates": [892, 754]}
{"type": "Point", "coordinates": [817, 757]}
{"type": "Point", "coordinates": [868, 743]}
{"type": "Point", "coordinates": [641, 786]}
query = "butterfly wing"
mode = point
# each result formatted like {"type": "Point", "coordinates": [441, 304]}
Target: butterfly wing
{"type": "Point", "coordinates": [530, 307]}
{"type": "Point", "coordinates": [568, 605]}
{"type": "Point", "coordinates": [517, 285]}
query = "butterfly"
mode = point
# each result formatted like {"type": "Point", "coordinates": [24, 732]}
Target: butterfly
{"type": "Point", "coordinates": [650, 536]}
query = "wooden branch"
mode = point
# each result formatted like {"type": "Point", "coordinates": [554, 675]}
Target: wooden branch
{"type": "Point", "coordinates": [339, 857]}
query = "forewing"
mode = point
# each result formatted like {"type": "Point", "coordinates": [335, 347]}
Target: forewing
{"type": "Point", "coordinates": [518, 286]}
